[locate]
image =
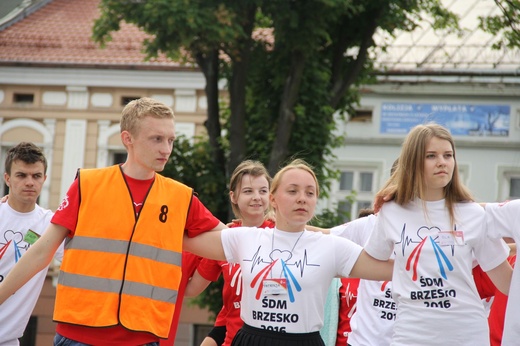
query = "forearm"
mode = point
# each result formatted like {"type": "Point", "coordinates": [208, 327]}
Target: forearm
{"type": "Point", "coordinates": [501, 277]}
{"type": "Point", "coordinates": [196, 285]}
{"type": "Point", "coordinates": [208, 245]}
{"type": "Point", "coordinates": [369, 268]}
{"type": "Point", "coordinates": [33, 261]}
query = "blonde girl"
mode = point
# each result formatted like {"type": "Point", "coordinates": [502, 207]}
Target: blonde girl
{"type": "Point", "coordinates": [287, 270]}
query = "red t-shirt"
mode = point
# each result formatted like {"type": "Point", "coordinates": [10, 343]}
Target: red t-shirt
{"type": "Point", "coordinates": [497, 311]}
{"type": "Point", "coordinates": [199, 220]}
{"type": "Point", "coordinates": [347, 307]}
{"type": "Point", "coordinates": [229, 315]}
{"type": "Point", "coordinates": [190, 263]}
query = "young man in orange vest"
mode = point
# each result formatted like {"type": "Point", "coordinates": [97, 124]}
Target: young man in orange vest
{"type": "Point", "coordinates": [124, 226]}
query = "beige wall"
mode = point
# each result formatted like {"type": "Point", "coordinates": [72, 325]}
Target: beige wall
{"type": "Point", "coordinates": [40, 110]}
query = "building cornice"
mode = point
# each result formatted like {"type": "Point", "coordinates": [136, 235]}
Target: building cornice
{"type": "Point", "coordinates": [95, 77]}
{"type": "Point", "coordinates": [462, 142]}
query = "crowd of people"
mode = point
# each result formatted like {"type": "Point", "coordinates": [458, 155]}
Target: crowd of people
{"type": "Point", "coordinates": [133, 243]}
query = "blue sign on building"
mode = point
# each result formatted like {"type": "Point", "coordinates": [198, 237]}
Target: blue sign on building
{"type": "Point", "coordinates": [460, 119]}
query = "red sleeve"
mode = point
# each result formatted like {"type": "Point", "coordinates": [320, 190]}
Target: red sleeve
{"type": "Point", "coordinates": [221, 317]}
{"type": "Point", "coordinates": [67, 213]}
{"type": "Point", "coordinates": [485, 286]}
{"type": "Point", "coordinates": [189, 264]}
{"type": "Point", "coordinates": [209, 269]}
{"type": "Point", "coordinates": [348, 292]}
{"type": "Point", "coordinates": [199, 219]}
{"type": "Point", "coordinates": [497, 313]}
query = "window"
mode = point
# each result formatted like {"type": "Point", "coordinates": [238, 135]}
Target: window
{"type": "Point", "coordinates": [127, 99]}
{"type": "Point", "coordinates": [200, 331]}
{"type": "Point", "coordinates": [464, 173]}
{"type": "Point", "coordinates": [118, 157]}
{"type": "Point", "coordinates": [24, 99]}
{"type": "Point", "coordinates": [345, 208]}
{"type": "Point", "coordinates": [361, 182]}
{"type": "Point", "coordinates": [514, 188]}
{"type": "Point", "coordinates": [346, 181]}
{"type": "Point", "coordinates": [356, 190]}
{"type": "Point", "coordinates": [365, 181]}
{"type": "Point", "coordinates": [509, 183]}
{"type": "Point", "coordinates": [361, 115]}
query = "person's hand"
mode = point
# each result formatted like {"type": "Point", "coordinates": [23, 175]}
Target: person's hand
{"type": "Point", "coordinates": [317, 229]}
{"type": "Point", "coordinates": [4, 199]}
{"type": "Point", "coordinates": [234, 222]}
{"type": "Point", "coordinates": [512, 249]}
{"type": "Point", "coordinates": [380, 200]}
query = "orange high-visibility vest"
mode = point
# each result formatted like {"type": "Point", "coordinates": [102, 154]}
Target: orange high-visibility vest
{"type": "Point", "coordinates": [123, 268]}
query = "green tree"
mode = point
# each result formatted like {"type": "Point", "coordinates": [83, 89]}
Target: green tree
{"type": "Point", "coordinates": [190, 163]}
{"type": "Point", "coordinates": [308, 75]}
{"type": "Point", "coordinates": [506, 25]}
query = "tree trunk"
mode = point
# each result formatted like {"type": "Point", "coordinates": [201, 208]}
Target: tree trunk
{"type": "Point", "coordinates": [209, 66]}
{"type": "Point", "coordinates": [341, 85]}
{"type": "Point", "coordinates": [286, 115]}
{"type": "Point", "coordinates": [237, 91]}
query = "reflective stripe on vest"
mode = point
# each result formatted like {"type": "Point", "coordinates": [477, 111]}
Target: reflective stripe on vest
{"type": "Point", "coordinates": [114, 286]}
{"type": "Point", "coordinates": [121, 247]}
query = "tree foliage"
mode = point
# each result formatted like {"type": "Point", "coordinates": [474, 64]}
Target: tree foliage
{"type": "Point", "coordinates": [506, 25]}
{"type": "Point", "coordinates": [190, 164]}
{"type": "Point", "coordinates": [282, 95]}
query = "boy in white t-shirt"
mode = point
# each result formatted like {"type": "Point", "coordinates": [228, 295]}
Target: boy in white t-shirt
{"type": "Point", "coordinates": [22, 222]}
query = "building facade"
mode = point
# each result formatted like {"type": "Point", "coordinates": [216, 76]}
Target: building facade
{"type": "Point", "coordinates": [455, 78]}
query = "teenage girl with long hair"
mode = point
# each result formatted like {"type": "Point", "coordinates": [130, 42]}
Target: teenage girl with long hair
{"type": "Point", "coordinates": [435, 231]}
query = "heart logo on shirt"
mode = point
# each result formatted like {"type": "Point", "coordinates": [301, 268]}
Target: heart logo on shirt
{"type": "Point", "coordinates": [284, 255]}
{"type": "Point", "coordinates": [16, 237]}
{"type": "Point", "coordinates": [425, 232]}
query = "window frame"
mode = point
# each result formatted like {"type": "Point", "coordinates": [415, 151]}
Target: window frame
{"type": "Point", "coordinates": [360, 198]}
{"type": "Point", "coordinates": [505, 175]}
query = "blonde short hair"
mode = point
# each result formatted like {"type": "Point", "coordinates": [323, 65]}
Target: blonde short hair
{"type": "Point", "coordinates": [138, 109]}
{"type": "Point", "coordinates": [295, 164]}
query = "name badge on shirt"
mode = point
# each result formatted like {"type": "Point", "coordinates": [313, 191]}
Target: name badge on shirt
{"type": "Point", "coordinates": [274, 286]}
{"type": "Point", "coordinates": [451, 238]}
{"type": "Point", "coordinates": [31, 237]}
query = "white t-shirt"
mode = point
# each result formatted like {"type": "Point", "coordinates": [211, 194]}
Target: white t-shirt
{"type": "Point", "coordinates": [14, 242]}
{"type": "Point", "coordinates": [433, 286]}
{"type": "Point", "coordinates": [286, 275]}
{"type": "Point", "coordinates": [373, 322]}
{"type": "Point", "coordinates": [503, 220]}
